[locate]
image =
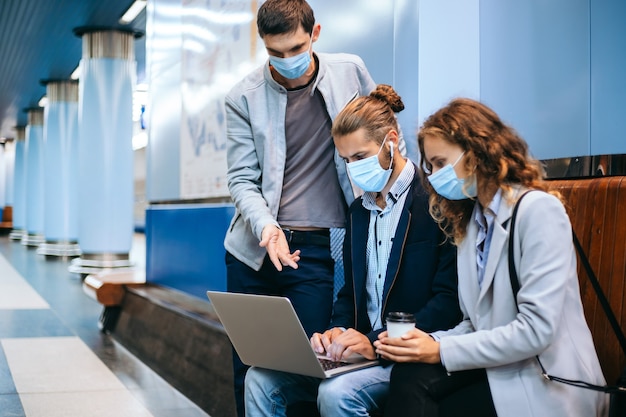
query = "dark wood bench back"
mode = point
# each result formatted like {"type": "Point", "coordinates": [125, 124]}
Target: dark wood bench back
{"type": "Point", "coordinates": [597, 210]}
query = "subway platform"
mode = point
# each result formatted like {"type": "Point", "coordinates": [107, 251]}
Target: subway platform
{"type": "Point", "coordinates": [54, 360]}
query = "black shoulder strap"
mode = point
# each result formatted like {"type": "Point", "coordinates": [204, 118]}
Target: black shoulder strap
{"type": "Point", "coordinates": [603, 301]}
{"type": "Point", "coordinates": [601, 297]}
{"type": "Point", "coordinates": [590, 274]}
{"type": "Point", "coordinates": [512, 271]}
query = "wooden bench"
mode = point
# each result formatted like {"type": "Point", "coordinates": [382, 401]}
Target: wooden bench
{"type": "Point", "coordinates": [6, 221]}
{"type": "Point", "coordinates": [108, 287]}
{"type": "Point", "coordinates": [597, 210]}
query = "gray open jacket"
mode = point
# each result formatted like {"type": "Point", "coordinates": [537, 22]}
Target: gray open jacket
{"type": "Point", "coordinates": [256, 148]}
{"type": "Point", "coordinates": [503, 334]}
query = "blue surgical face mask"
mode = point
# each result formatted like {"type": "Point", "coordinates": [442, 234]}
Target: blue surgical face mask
{"type": "Point", "coordinates": [448, 185]}
{"type": "Point", "coordinates": [294, 66]}
{"type": "Point", "coordinates": [368, 174]}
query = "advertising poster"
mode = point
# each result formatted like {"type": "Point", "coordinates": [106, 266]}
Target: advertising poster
{"type": "Point", "coordinates": [219, 46]}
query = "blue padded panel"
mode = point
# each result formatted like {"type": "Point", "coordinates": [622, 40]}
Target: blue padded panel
{"type": "Point", "coordinates": [184, 246]}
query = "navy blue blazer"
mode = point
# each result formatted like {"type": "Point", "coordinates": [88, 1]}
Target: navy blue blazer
{"type": "Point", "coordinates": [421, 271]}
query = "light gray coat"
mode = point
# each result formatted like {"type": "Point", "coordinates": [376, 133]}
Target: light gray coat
{"type": "Point", "coordinates": [550, 322]}
{"type": "Point", "coordinates": [256, 147]}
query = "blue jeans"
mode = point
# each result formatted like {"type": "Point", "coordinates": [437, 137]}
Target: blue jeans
{"type": "Point", "coordinates": [268, 393]}
{"type": "Point", "coordinates": [310, 289]}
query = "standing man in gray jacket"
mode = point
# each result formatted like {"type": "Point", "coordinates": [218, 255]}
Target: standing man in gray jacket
{"type": "Point", "coordinates": [285, 177]}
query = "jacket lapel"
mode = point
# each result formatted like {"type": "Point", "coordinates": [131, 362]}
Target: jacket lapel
{"type": "Point", "coordinates": [360, 224]}
{"type": "Point", "coordinates": [499, 241]}
{"type": "Point", "coordinates": [467, 265]}
{"type": "Point", "coordinates": [402, 230]}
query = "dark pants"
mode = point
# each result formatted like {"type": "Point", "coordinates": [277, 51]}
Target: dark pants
{"type": "Point", "coordinates": [424, 390]}
{"type": "Point", "coordinates": [310, 289]}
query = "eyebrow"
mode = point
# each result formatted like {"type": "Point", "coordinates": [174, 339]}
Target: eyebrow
{"type": "Point", "coordinates": [354, 155]}
{"type": "Point", "coordinates": [295, 48]}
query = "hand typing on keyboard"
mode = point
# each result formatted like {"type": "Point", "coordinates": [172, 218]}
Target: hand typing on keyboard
{"type": "Point", "coordinates": [342, 345]}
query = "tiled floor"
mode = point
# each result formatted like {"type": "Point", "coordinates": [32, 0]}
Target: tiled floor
{"type": "Point", "coordinates": [53, 359]}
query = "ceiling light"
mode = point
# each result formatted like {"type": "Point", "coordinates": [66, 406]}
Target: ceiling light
{"type": "Point", "coordinates": [43, 101]}
{"type": "Point", "coordinates": [76, 73]}
{"type": "Point", "coordinates": [133, 11]}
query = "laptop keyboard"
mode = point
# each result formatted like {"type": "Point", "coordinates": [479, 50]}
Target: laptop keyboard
{"type": "Point", "coordinates": [327, 364]}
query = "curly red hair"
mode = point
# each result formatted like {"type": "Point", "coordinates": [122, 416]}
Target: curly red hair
{"type": "Point", "coordinates": [495, 153]}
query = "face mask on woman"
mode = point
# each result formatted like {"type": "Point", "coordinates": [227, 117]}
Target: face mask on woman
{"type": "Point", "coordinates": [368, 174]}
{"type": "Point", "coordinates": [294, 66]}
{"type": "Point", "coordinates": [448, 185]}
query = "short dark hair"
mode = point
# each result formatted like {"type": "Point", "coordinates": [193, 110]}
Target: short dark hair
{"type": "Point", "coordinates": [277, 17]}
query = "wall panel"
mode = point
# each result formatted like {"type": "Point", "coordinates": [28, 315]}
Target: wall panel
{"type": "Point", "coordinates": [163, 56]}
{"type": "Point", "coordinates": [608, 77]}
{"type": "Point", "coordinates": [534, 60]}
{"type": "Point", "coordinates": [448, 53]}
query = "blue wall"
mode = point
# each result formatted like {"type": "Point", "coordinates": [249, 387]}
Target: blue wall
{"type": "Point", "coordinates": [449, 54]}
{"type": "Point", "coordinates": [608, 77]}
{"type": "Point", "coordinates": [184, 246]}
{"type": "Point", "coordinates": [535, 71]}
{"type": "Point", "coordinates": [163, 66]}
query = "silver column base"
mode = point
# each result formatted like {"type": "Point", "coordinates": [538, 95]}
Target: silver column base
{"type": "Point", "coordinates": [29, 239]}
{"type": "Point", "coordinates": [16, 234]}
{"type": "Point", "coordinates": [60, 249]}
{"type": "Point", "coordinates": [94, 263]}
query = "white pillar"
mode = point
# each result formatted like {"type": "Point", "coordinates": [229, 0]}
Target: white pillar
{"type": "Point", "coordinates": [34, 178]}
{"type": "Point", "coordinates": [19, 185]}
{"type": "Point", "coordinates": [105, 169]}
{"type": "Point", "coordinates": [61, 166]}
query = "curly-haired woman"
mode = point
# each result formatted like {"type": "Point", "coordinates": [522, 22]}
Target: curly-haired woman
{"type": "Point", "coordinates": [491, 362]}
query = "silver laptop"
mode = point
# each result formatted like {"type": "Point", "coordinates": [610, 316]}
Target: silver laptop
{"type": "Point", "coordinates": [266, 332]}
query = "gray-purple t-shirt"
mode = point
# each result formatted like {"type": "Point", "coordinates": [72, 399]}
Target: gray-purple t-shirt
{"type": "Point", "coordinates": [311, 195]}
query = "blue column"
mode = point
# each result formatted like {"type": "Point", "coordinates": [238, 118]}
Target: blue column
{"type": "Point", "coordinates": [34, 177]}
{"type": "Point", "coordinates": [61, 165]}
{"type": "Point", "coordinates": [19, 192]}
{"type": "Point", "coordinates": [105, 169]}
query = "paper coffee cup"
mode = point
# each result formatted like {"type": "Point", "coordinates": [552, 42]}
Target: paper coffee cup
{"type": "Point", "coordinates": [399, 323]}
